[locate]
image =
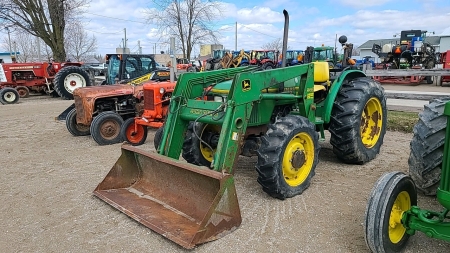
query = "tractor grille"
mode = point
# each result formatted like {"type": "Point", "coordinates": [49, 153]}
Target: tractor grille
{"type": "Point", "coordinates": [254, 116]}
{"type": "Point", "coordinates": [79, 105]}
{"type": "Point", "coordinates": [149, 99]}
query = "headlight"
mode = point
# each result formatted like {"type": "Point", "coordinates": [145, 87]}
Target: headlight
{"type": "Point", "coordinates": [220, 99]}
{"type": "Point", "coordinates": [162, 90]}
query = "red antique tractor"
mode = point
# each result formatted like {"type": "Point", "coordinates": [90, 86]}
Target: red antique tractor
{"type": "Point", "coordinates": [44, 77]}
{"type": "Point", "coordinates": [156, 107]}
{"type": "Point", "coordinates": [266, 59]}
{"type": "Point", "coordinates": [445, 60]}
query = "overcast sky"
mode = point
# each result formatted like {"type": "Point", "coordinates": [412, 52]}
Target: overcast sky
{"type": "Point", "coordinates": [311, 22]}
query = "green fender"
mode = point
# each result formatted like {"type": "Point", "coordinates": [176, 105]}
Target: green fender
{"type": "Point", "coordinates": [347, 75]}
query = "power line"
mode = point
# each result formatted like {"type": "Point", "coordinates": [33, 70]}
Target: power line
{"type": "Point", "coordinates": [127, 20]}
{"type": "Point", "coordinates": [103, 32]}
{"type": "Point", "coordinates": [259, 31]}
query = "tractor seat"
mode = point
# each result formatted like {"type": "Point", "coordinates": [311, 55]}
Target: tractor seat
{"type": "Point", "coordinates": [321, 76]}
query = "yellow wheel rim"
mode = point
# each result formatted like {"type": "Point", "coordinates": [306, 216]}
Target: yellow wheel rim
{"type": "Point", "coordinates": [298, 159]}
{"type": "Point", "coordinates": [401, 204]}
{"type": "Point", "coordinates": [371, 122]}
{"type": "Point", "coordinates": [207, 153]}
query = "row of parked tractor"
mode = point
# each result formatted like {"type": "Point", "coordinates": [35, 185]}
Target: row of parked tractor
{"type": "Point", "coordinates": [265, 59]}
{"type": "Point", "coordinates": [19, 80]}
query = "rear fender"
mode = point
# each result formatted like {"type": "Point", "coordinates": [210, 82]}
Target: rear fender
{"type": "Point", "coordinates": [346, 76]}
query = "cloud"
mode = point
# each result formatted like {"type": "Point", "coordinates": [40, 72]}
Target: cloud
{"type": "Point", "coordinates": [357, 4]}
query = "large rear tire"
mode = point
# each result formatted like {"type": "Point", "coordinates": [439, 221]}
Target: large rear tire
{"type": "Point", "coordinates": [23, 91]}
{"type": "Point", "coordinates": [358, 121]}
{"type": "Point", "coordinates": [393, 194]}
{"type": "Point", "coordinates": [74, 128]}
{"type": "Point", "coordinates": [427, 147]}
{"type": "Point", "coordinates": [200, 152]}
{"type": "Point", "coordinates": [9, 96]}
{"type": "Point", "coordinates": [105, 128]}
{"type": "Point", "coordinates": [133, 136]}
{"type": "Point", "coordinates": [267, 66]}
{"type": "Point", "coordinates": [288, 156]}
{"type": "Point", "coordinates": [68, 79]}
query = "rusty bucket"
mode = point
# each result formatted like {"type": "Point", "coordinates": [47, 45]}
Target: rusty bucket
{"type": "Point", "coordinates": [187, 204]}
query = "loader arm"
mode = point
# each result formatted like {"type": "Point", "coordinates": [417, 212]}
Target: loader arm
{"type": "Point", "coordinates": [234, 114]}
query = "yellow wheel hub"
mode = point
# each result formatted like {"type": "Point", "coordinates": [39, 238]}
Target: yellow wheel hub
{"type": "Point", "coordinates": [206, 151]}
{"type": "Point", "coordinates": [298, 159]}
{"type": "Point", "coordinates": [371, 122]}
{"type": "Point", "coordinates": [401, 204]}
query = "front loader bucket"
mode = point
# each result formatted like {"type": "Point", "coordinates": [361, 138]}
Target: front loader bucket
{"type": "Point", "coordinates": [187, 204]}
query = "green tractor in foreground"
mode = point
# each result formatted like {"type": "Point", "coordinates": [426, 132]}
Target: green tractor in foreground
{"type": "Point", "coordinates": [277, 115]}
{"type": "Point", "coordinates": [392, 214]}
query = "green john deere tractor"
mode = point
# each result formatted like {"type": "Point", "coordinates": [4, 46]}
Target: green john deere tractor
{"type": "Point", "coordinates": [277, 115]}
{"type": "Point", "coordinates": [392, 214]}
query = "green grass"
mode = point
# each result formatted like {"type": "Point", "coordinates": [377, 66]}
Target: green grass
{"type": "Point", "coordinates": [401, 121]}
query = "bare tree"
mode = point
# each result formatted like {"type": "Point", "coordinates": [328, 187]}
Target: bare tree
{"type": "Point", "coordinates": [276, 44]}
{"type": "Point", "coordinates": [45, 19]}
{"type": "Point", "coordinates": [79, 46]}
{"type": "Point", "coordinates": [356, 51]}
{"type": "Point", "coordinates": [189, 21]}
{"type": "Point", "coordinates": [31, 48]}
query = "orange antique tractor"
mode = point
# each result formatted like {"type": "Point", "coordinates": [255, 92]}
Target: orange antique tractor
{"type": "Point", "coordinates": [156, 106]}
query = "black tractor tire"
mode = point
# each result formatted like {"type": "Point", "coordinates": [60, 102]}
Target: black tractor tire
{"type": "Point", "coordinates": [23, 91]}
{"type": "Point", "coordinates": [74, 128]}
{"type": "Point", "coordinates": [158, 137]}
{"type": "Point", "coordinates": [267, 65]}
{"type": "Point", "coordinates": [191, 69]}
{"type": "Point", "coordinates": [131, 136]}
{"type": "Point", "coordinates": [68, 79]}
{"type": "Point", "coordinates": [194, 150]}
{"type": "Point", "coordinates": [358, 120]}
{"type": "Point", "coordinates": [392, 194]}
{"type": "Point", "coordinates": [427, 147]}
{"type": "Point", "coordinates": [105, 128]}
{"type": "Point", "coordinates": [9, 96]}
{"type": "Point", "coordinates": [288, 156]}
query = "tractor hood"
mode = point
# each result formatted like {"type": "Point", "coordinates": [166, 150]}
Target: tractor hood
{"type": "Point", "coordinates": [105, 91]}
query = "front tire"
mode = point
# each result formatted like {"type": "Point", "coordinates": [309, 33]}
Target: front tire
{"type": "Point", "coordinates": [68, 79]}
{"type": "Point", "coordinates": [9, 96]}
{"type": "Point", "coordinates": [427, 147]}
{"type": "Point", "coordinates": [133, 136]}
{"type": "Point", "coordinates": [158, 137]}
{"type": "Point", "coordinates": [358, 121]}
{"type": "Point", "coordinates": [288, 156]}
{"type": "Point", "coordinates": [105, 128]}
{"type": "Point", "coordinates": [72, 126]}
{"type": "Point", "coordinates": [200, 152]}
{"type": "Point", "coordinates": [393, 194]}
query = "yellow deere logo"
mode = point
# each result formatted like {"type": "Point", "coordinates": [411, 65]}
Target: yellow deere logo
{"type": "Point", "coordinates": [246, 85]}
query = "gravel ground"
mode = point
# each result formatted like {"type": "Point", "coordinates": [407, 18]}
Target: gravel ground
{"type": "Point", "coordinates": [47, 204]}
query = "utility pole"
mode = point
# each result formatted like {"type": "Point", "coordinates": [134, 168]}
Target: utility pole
{"type": "Point", "coordinates": [38, 49]}
{"type": "Point", "coordinates": [9, 42]}
{"type": "Point", "coordinates": [235, 40]}
{"type": "Point", "coordinates": [15, 50]}
{"type": "Point", "coordinates": [125, 40]}
{"type": "Point", "coordinates": [173, 65]}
